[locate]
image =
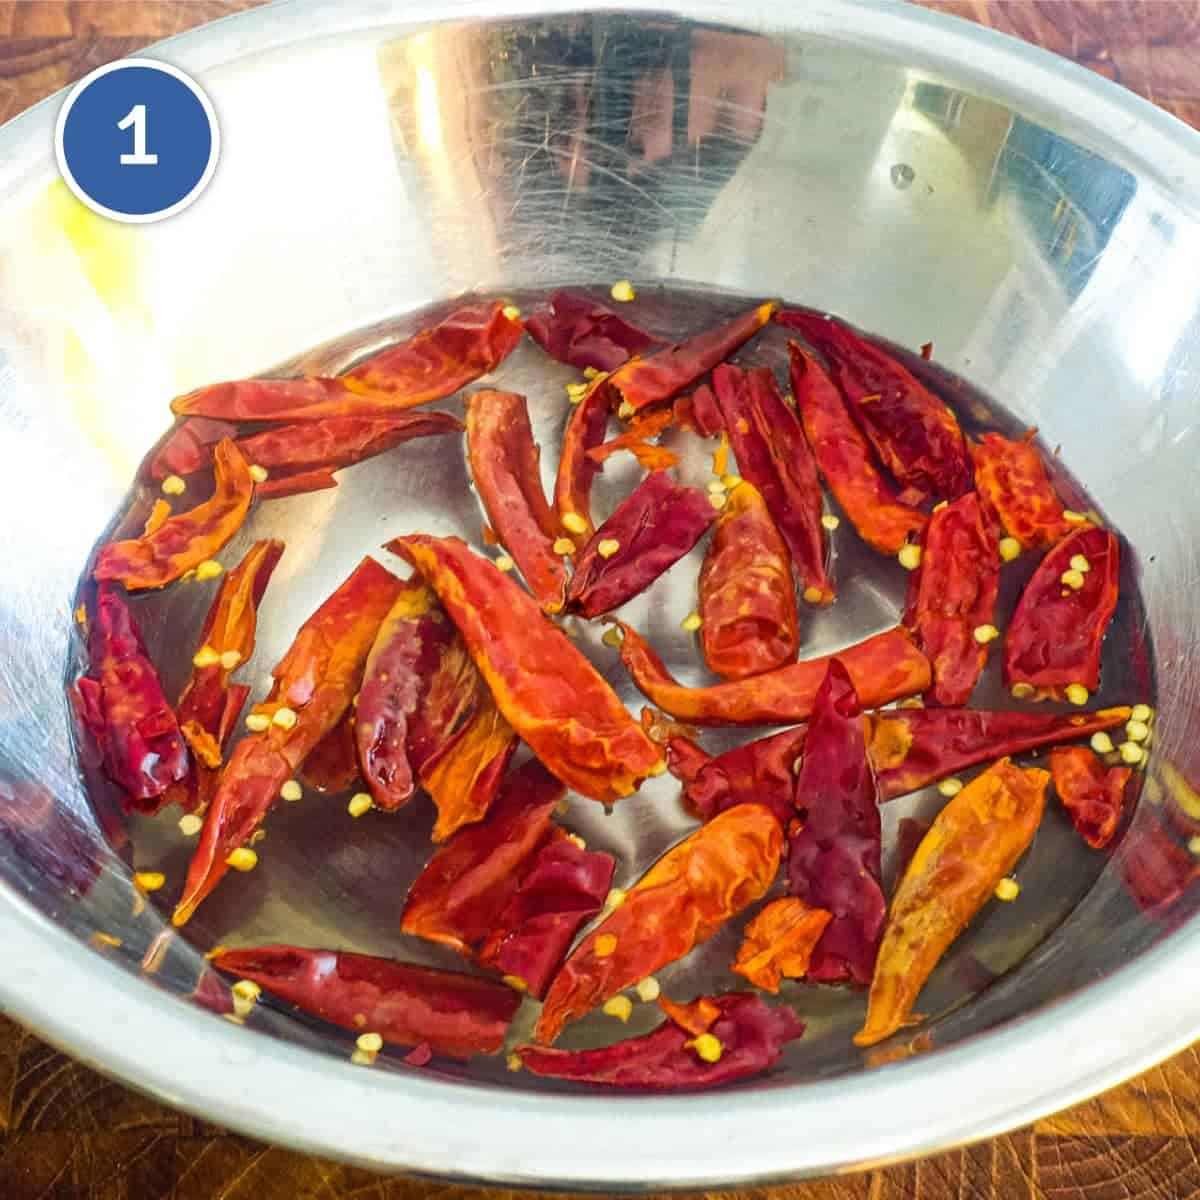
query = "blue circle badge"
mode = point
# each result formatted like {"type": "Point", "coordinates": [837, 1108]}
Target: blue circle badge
{"type": "Point", "coordinates": [136, 140]}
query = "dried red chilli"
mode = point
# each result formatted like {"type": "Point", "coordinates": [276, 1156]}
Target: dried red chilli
{"type": "Point", "coordinates": [505, 465]}
{"type": "Point", "coordinates": [699, 412]}
{"type": "Point", "coordinates": [644, 382]}
{"type": "Point", "coordinates": [546, 689]}
{"type": "Point", "coordinates": [455, 1015]}
{"type": "Point", "coordinates": [636, 440]}
{"type": "Point", "coordinates": [436, 362]}
{"type": "Point", "coordinates": [188, 447]}
{"type": "Point", "coordinates": [315, 682]}
{"type": "Point", "coordinates": [648, 532]}
{"type": "Point", "coordinates": [911, 748]}
{"type": "Point", "coordinates": [748, 1033]}
{"type": "Point", "coordinates": [758, 772]}
{"type": "Point", "coordinates": [122, 705]}
{"type": "Point", "coordinates": [576, 330]}
{"type": "Point", "coordinates": [1093, 795]}
{"type": "Point", "coordinates": [773, 454]}
{"type": "Point", "coordinates": [679, 903]}
{"type": "Point", "coordinates": [1057, 629]}
{"type": "Point", "coordinates": [913, 431]}
{"type": "Point", "coordinates": [187, 539]}
{"type": "Point", "coordinates": [1012, 481]}
{"type": "Point", "coordinates": [747, 597]}
{"type": "Point", "coordinates": [780, 941]}
{"type": "Point", "coordinates": [952, 597]}
{"type": "Point", "coordinates": [513, 889]}
{"type": "Point", "coordinates": [885, 667]}
{"type": "Point", "coordinates": [577, 470]}
{"type": "Point", "coordinates": [834, 854]}
{"type": "Point", "coordinates": [845, 460]}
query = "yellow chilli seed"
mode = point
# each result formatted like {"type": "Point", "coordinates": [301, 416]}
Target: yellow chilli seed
{"type": "Point", "coordinates": [1008, 889]}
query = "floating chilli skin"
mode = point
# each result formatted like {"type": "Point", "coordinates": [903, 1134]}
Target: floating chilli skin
{"type": "Point", "coordinates": [644, 382]}
{"type": "Point", "coordinates": [188, 539]}
{"type": "Point", "coordinates": [773, 454]}
{"type": "Point", "coordinates": [779, 942]}
{"type": "Point", "coordinates": [576, 330]}
{"type": "Point", "coordinates": [747, 597]}
{"type": "Point", "coordinates": [845, 460]}
{"type": "Point", "coordinates": [885, 667]}
{"type": "Point", "coordinates": [1056, 632]}
{"type": "Point", "coordinates": [433, 364]}
{"type": "Point", "coordinates": [550, 694]}
{"type": "Point", "coordinates": [505, 464]}
{"type": "Point", "coordinates": [972, 844]}
{"type": "Point", "coordinates": [455, 1015]}
{"type": "Point", "coordinates": [915, 434]}
{"type": "Point", "coordinates": [834, 851]}
{"type": "Point", "coordinates": [1016, 491]}
{"type": "Point", "coordinates": [751, 1036]}
{"type": "Point", "coordinates": [316, 681]}
{"type": "Point", "coordinates": [1093, 795]}
{"type": "Point", "coordinates": [679, 903]}
{"type": "Point", "coordinates": [648, 532]}
{"type": "Point", "coordinates": [951, 594]}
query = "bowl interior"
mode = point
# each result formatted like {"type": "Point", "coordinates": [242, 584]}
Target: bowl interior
{"type": "Point", "coordinates": [372, 170]}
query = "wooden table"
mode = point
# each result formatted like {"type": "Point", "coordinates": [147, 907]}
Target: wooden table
{"type": "Point", "coordinates": [67, 1133]}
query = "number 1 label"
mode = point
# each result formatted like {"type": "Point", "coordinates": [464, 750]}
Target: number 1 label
{"type": "Point", "coordinates": [136, 117]}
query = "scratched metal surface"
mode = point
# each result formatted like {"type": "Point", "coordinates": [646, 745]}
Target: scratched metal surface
{"type": "Point", "coordinates": [882, 185]}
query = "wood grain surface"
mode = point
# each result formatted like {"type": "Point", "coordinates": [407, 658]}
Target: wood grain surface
{"type": "Point", "coordinates": [67, 1133]}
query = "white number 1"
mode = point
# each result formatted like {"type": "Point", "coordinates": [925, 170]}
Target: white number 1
{"type": "Point", "coordinates": [136, 117]}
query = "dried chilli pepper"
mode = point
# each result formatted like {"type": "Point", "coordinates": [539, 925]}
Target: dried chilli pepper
{"type": "Point", "coordinates": [505, 462]}
{"type": "Point", "coordinates": [298, 484]}
{"type": "Point", "coordinates": [885, 667]}
{"type": "Point", "coordinates": [188, 539]}
{"type": "Point", "coordinates": [209, 706]}
{"type": "Point", "coordinates": [433, 364]}
{"type": "Point", "coordinates": [749, 1034]}
{"type": "Point", "coordinates": [1012, 481]}
{"type": "Point", "coordinates": [779, 942]}
{"type": "Point", "coordinates": [644, 382]}
{"type": "Point", "coordinates": [577, 470]}
{"type": "Point", "coordinates": [834, 855]}
{"type": "Point", "coordinates": [648, 532]}
{"type": "Point", "coordinates": [1093, 795]}
{"type": "Point", "coordinates": [679, 903]}
{"type": "Point", "coordinates": [747, 597]}
{"type": "Point", "coordinates": [636, 439]}
{"type": "Point", "coordinates": [576, 330]}
{"type": "Point", "coordinates": [188, 447]}
{"type": "Point", "coordinates": [699, 412]}
{"type": "Point", "coordinates": [911, 748]}
{"type": "Point", "coordinates": [759, 772]}
{"type": "Point", "coordinates": [845, 460]}
{"type": "Point", "coordinates": [332, 765]}
{"type": "Point", "coordinates": [1057, 630]}
{"type": "Point", "coordinates": [972, 844]}
{"type": "Point", "coordinates": [315, 682]}
{"type": "Point", "coordinates": [305, 450]}
{"type": "Point", "coordinates": [773, 454]}
{"type": "Point", "coordinates": [424, 714]}
{"type": "Point", "coordinates": [914, 432]}
{"type": "Point", "coordinates": [456, 1015]}
{"type": "Point", "coordinates": [952, 594]}
{"type": "Point", "coordinates": [123, 707]}
{"type": "Point", "coordinates": [513, 889]}
{"type": "Point", "coordinates": [409, 644]}
{"type": "Point", "coordinates": [545, 688]}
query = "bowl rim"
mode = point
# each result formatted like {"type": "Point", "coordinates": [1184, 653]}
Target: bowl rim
{"type": "Point", "coordinates": [978, 1088]}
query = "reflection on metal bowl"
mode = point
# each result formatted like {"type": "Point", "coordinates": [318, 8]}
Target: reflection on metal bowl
{"type": "Point", "coordinates": [922, 177]}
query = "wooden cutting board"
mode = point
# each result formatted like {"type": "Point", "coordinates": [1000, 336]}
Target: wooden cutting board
{"type": "Point", "coordinates": [67, 1133]}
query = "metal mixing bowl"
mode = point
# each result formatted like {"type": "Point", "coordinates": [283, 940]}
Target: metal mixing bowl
{"type": "Point", "coordinates": [921, 176]}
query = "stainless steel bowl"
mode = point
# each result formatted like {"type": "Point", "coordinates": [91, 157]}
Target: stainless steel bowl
{"type": "Point", "coordinates": [921, 176]}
